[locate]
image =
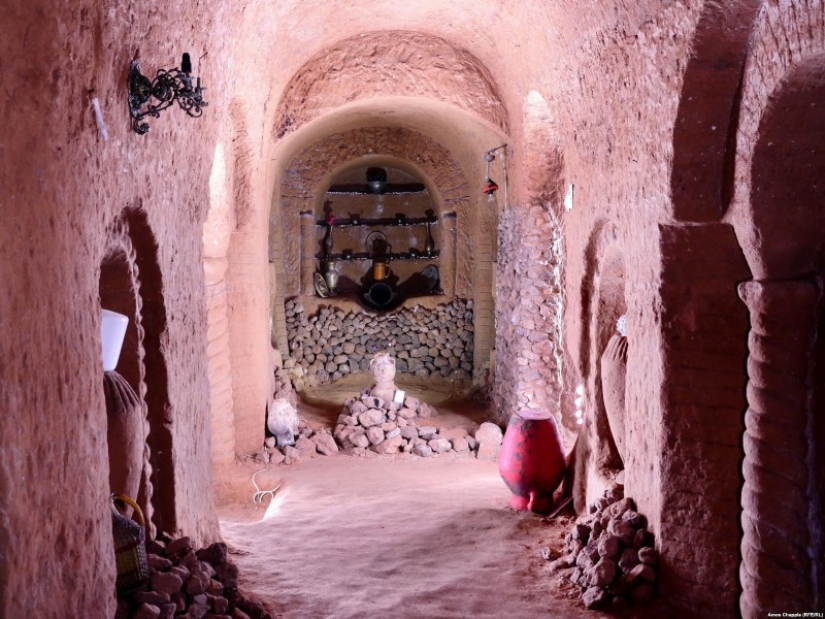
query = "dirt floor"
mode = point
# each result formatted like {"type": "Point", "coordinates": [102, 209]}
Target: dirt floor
{"type": "Point", "coordinates": [392, 536]}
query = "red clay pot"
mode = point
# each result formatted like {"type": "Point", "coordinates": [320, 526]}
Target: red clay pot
{"type": "Point", "coordinates": [531, 461]}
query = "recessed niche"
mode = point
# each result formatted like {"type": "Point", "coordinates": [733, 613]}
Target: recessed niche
{"type": "Point", "coordinates": [377, 238]}
{"type": "Point", "coordinates": [610, 306]}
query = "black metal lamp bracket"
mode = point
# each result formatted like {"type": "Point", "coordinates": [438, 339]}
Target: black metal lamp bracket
{"type": "Point", "coordinates": [168, 87]}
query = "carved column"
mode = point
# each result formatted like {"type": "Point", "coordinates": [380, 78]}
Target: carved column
{"type": "Point", "coordinates": [308, 247]}
{"type": "Point", "coordinates": [448, 257]}
{"type": "Point", "coordinates": [775, 572]}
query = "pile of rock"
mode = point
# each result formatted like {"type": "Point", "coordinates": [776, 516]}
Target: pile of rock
{"type": "Point", "coordinates": [284, 387]}
{"type": "Point", "coordinates": [332, 343]}
{"type": "Point", "coordinates": [189, 584]}
{"type": "Point", "coordinates": [610, 554]}
{"type": "Point", "coordinates": [369, 423]}
{"type": "Point", "coordinates": [308, 444]}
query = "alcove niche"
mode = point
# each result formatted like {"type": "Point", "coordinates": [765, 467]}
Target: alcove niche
{"type": "Point", "coordinates": [598, 460]}
{"type": "Point", "coordinates": [383, 217]}
{"type": "Point", "coordinates": [609, 307]}
{"type": "Point", "coordinates": [139, 438]}
{"type": "Point", "coordinates": [378, 272]}
{"type": "Point", "coordinates": [783, 502]}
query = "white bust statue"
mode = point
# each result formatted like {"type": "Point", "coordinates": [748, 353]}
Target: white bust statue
{"type": "Point", "coordinates": [382, 367]}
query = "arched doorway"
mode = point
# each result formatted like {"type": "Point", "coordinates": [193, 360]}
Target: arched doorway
{"type": "Point", "coordinates": [784, 468]}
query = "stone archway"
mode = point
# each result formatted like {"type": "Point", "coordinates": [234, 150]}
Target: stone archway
{"type": "Point", "coordinates": [130, 469]}
{"type": "Point", "coordinates": [707, 120]}
{"type": "Point", "coordinates": [703, 322]}
{"type": "Point", "coordinates": [131, 284]}
{"type": "Point", "coordinates": [304, 177]}
{"type": "Point", "coordinates": [783, 501]}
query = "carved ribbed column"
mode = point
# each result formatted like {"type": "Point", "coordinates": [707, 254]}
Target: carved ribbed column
{"type": "Point", "coordinates": [448, 256]}
{"type": "Point", "coordinates": [308, 246]}
{"type": "Point", "coordinates": [219, 362]}
{"type": "Point", "coordinates": [775, 572]}
{"type": "Point", "coordinates": [483, 252]}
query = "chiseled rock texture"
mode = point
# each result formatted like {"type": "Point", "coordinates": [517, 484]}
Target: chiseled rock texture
{"type": "Point", "coordinates": [658, 155]}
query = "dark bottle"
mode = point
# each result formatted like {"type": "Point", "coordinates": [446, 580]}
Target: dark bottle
{"type": "Point", "coordinates": [429, 242]}
{"type": "Point", "coordinates": [327, 243]}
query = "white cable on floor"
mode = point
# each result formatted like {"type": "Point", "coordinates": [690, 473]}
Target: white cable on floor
{"type": "Point", "coordinates": [258, 497]}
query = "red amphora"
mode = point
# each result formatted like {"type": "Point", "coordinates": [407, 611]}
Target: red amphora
{"type": "Point", "coordinates": [531, 461]}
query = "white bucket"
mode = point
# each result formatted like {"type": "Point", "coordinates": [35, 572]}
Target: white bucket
{"type": "Point", "coordinates": [112, 331]}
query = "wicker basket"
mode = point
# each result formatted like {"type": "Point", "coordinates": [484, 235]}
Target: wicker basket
{"type": "Point", "coordinates": [130, 546]}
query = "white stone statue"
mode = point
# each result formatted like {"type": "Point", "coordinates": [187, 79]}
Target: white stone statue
{"type": "Point", "coordinates": [382, 367]}
{"type": "Point", "coordinates": [282, 421]}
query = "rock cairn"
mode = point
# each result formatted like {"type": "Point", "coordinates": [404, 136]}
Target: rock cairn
{"type": "Point", "coordinates": [368, 423]}
{"type": "Point", "coordinates": [189, 584]}
{"type": "Point", "coordinates": [332, 343]}
{"type": "Point", "coordinates": [610, 554]}
{"type": "Point", "coordinates": [308, 444]}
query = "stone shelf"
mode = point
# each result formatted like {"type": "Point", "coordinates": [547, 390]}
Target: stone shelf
{"type": "Point", "coordinates": [389, 257]}
{"type": "Point", "coordinates": [379, 223]}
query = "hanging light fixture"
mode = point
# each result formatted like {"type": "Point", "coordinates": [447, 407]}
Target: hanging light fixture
{"type": "Point", "coordinates": [377, 180]}
{"type": "Point", "coordinates": [167, 88]}
{"type": "Point", "coordinates": [490, 186]}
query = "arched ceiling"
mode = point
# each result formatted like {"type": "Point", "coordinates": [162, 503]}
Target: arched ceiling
{"type": "Point", "coordinates": [300, 61]}
{"type": "Point", "coordinates": [390, 63]}
{"type": "Point", "coordinates": [304, 177]}
{"type": "Point", "coordinates": [391, 78]}
{"type": "Point", "coordinates": [464, 135]}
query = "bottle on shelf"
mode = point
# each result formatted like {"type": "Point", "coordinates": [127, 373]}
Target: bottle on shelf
{"type": "Point", "coordinates": [429, 242]}
{"type": "Point", "coordinates": [327, 243]}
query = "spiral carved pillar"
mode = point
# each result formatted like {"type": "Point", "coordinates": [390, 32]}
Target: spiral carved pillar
{"type": "Point", "coordinates": [775, 572]}
{"type": "Point", "coordinates": [448, 257]}
{"type": "Point", "coordinates": [308, 246]}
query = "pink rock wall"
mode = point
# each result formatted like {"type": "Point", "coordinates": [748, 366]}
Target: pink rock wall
{"type": "Point", "coordinates": [704, 327]}
{"type": "Point", "coordinates": [63, 186]}
{"type": "Point", "coordinates": [618, 158]}
{"type": "Point", "coordinates": [640, 105]}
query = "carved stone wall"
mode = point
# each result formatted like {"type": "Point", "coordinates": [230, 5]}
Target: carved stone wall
{"type": "Point", "coordinates": [777, 212]}
{"type": "Point", "coordinates": [390, 62]}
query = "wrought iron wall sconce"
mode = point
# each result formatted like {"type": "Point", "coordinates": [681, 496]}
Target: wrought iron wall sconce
{"type": "Point", "coordinates": [168, 87]}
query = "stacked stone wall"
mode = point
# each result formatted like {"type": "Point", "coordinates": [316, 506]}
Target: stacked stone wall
{"type": "Point", "coordinates": [529, 312]}
{"type": "Point", "coordinates": [331, 343]}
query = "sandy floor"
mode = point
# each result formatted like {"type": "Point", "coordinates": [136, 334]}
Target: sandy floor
{"type": "Point", "coordinates": [400, 536]}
